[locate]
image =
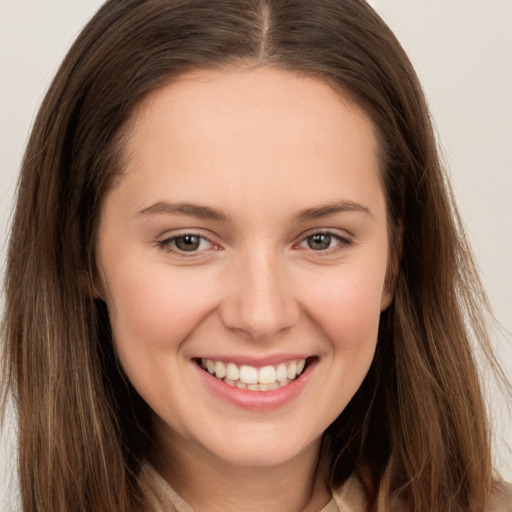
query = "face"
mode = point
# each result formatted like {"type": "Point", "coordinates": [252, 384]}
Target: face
{"type": "Point", "coordinates": [243, 258]}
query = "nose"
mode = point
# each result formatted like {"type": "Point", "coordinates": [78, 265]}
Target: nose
{"type": "Point", "coordinates": [260, 299]}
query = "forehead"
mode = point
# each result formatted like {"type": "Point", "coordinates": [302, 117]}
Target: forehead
{"type": "Point", "coordinates": [246, 101]}
{"type": "Point", "coordinates": [236, 130]}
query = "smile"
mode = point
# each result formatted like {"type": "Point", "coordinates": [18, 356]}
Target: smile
{"type": "Point", "coordinates": [267, 378]}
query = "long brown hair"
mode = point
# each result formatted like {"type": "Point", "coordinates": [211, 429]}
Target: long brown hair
{"type": "Point", "coordinates": [415, 432]}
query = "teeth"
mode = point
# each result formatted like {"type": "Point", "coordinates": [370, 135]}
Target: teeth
{"type": "Point", "coordinates": [291, 372]}
{"type": "Point", "coordinates": [232, 371]}
{"type": "Point", "coordinates": [267, 375]}
{"type": "Point", "coordinates": [300, 366]}
{"type": "Point", "coordinates": [220, 370]}
{"type": "Point", "coordinates": [248, 377]}
{"type": "Point", "coordinates": [281, 372]}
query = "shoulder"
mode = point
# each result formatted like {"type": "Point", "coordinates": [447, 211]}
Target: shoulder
{"type": "Point", "coordinates": [501, 499]}
{"type": "Point", "coordinates": [158, 495]}
{"type": "Point", "coordinates": [351, 497]}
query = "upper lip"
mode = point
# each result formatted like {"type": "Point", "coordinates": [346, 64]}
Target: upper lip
{"type": "Point", "coordinates": [257, 362]}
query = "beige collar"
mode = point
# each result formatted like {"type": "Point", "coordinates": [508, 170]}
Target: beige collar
{"type": "Point", "coordinates": [161, 497]}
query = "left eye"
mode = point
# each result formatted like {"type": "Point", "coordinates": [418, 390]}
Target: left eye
{"type": "Point", "coordinates": [322, 241]}
{"type": "Point", "coordinates": [187, 243]}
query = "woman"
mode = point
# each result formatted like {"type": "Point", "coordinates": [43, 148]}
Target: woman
{"type": "Point", "coordinates": [236, 278]}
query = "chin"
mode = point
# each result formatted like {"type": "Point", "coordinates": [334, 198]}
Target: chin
{"type": "Point", "coordinates": [264, 449]}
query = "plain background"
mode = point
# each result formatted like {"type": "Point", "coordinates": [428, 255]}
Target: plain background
{"type": "Point", "coordinates": [462, 51]}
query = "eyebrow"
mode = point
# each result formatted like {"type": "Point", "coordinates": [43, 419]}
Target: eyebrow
{"type": "Point", "coordinates": [188, 209]}
{"type": "Point", "coordinates": [331, 209]}
{"type": "Point", "coordinates": [208, 213]}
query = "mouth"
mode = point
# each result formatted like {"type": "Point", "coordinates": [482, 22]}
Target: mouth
{"type": "Point", "coordinates": [252, 378]}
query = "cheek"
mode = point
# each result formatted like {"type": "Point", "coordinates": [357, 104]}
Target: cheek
{"type": "Point", "coordinates": [156, 309]}
{"type": "Point", "coordinates": [348, 308]}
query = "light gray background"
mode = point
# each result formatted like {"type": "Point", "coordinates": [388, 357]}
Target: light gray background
{"type": "Point", "coordinates": [462, 50]}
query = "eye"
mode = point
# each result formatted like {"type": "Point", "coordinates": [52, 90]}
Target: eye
{"type": "Point", "coordinates": [186, 243]}
{"type": "Point", "coordinates": [324, 241]}
{"type": "Point", "coordinates": [319, 241]}
{"type": "Point", "coordinates": [189, 243]}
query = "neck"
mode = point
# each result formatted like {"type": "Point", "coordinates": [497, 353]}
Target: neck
{"type": "Point", "coordinates": [212, 485]}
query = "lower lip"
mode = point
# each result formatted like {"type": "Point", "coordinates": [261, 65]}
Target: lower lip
{"type": "Point", "coordinates": [257, 400]}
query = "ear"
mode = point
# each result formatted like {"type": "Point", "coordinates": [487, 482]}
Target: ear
{"type": "Point", "coordinates": [395, 256]}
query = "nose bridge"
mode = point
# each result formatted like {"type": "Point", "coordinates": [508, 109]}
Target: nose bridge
{"type": "Point", "coordinates": [261, 299]}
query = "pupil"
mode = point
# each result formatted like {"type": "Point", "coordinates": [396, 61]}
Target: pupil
{"type": "Point", "coordinates": [319, 242]}
{"type": "Point", "coordinates": [188, 243]}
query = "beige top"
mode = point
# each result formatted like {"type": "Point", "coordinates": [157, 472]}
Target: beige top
{"type": "Point", "coordinates": [161, 497]}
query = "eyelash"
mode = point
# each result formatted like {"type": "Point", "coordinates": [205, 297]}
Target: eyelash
{"type": "Point", "coordinates": [169, 246]}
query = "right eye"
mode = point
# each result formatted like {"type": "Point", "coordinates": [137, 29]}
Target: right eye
{"type": "Point", "coordinates": [186, 243]}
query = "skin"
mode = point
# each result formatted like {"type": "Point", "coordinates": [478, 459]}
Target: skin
{"type": "Point", "coordinates": [261, 147]}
